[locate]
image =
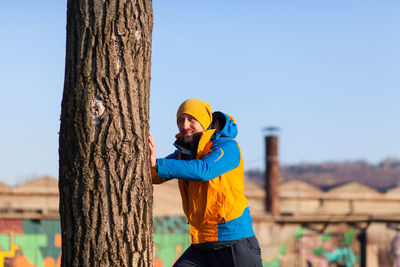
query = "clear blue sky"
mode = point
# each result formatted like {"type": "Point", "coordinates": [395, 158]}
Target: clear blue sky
{"type": "Point", "coordinates": [326, 72]}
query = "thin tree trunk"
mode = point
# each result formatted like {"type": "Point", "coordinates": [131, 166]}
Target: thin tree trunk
{"type": "Point", "coordinates": [104, 179]}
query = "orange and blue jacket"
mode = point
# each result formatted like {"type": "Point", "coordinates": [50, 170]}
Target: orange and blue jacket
{"type": "Point", "coordinates": [211, 186]}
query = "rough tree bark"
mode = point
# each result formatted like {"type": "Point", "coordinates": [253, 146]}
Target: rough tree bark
{"type": "Point", "coordinates": [104, 179]}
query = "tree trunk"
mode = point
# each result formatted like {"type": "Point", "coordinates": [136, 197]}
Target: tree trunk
{"type": "Point", "coordinates": [104, 178]}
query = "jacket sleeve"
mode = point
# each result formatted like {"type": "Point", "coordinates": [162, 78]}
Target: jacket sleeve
{"type": "Point", "coordinates": [223, 157]}
{"type": "Point", "coordinates": [154, 174]}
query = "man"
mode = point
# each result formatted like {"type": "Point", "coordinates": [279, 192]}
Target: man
{"type": "Point", "coordinates": [209, 167]}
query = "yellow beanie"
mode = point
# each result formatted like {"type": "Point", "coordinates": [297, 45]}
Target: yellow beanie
{"type": "Point", "coordinates": [198, 109]}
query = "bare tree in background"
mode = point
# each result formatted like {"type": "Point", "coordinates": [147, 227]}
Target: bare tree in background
{"type": "Point", "coordinates": [104, 178]}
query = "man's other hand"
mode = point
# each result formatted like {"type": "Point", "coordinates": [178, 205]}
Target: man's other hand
{"type": "Point", "coordinates": [153, 156]}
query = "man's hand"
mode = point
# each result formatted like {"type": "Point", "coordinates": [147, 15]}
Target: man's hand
{"type": "Point", "coordinates": [153, 156]}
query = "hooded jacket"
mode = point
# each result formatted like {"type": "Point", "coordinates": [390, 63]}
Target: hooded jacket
{"type": "Point", "coordinates": [212, 185]}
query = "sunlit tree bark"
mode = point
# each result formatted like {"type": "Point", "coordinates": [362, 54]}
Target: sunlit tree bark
{"type": "Point", "coordinates": [104, 179]}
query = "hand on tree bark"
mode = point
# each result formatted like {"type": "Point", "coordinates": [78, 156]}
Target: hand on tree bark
{"type": "Point", "coordinates": [153, 156]}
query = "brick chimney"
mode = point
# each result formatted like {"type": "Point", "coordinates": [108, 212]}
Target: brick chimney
{"type": "Point", "coordinates": [272, 171]}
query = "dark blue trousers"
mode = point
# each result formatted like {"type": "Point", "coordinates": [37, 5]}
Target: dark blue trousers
{"type": "Point", "coordinates": [243, 253]}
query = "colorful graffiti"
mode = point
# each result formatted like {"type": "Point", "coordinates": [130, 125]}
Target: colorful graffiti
{"type": "Point", "coordinates": [171, 238]}
{"type": "Point", "coordinates": [37, 243]}
{"type": "Point", "coordinates": [11, 252]}
{"type": "Point", "coordinates": [29, 243]}
{"type": "Point", "coordinates": [275, 261]}
{"type": "Point", "coordinates": [324, 249]}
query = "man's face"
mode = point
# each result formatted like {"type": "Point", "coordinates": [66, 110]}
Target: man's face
{"type": "Point", "coordinates": [188, 126]}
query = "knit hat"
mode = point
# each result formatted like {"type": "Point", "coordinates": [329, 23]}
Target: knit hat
{"type": "Point", "coordinates": [198, 109]}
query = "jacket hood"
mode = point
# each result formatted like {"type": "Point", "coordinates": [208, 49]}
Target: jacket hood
{"type": "Point", "coordinates": [224, 124]}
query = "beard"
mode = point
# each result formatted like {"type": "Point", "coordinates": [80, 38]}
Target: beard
{"type": "Point", "coordinates": [188, 136]}
{"type": "Point", "coordinates": [189, 145]}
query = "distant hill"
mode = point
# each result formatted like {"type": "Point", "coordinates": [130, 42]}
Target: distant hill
{"type": "Point", "coordinates": [382, 176]}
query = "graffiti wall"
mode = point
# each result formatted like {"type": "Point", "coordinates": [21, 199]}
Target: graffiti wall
{"type": "Point", "coordinates": [338, 248]}
{"type": "Point", "coordinates": [37, 243]}
{"type": "Point", "coordinates": [29, 243]}
{"type": "Point", "coordinates": [171, 238]}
